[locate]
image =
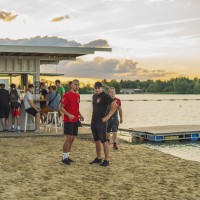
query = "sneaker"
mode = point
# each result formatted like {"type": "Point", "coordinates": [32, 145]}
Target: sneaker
{"type": "Point", "coordinates": [105, 163]}
{"type": "Point", "coordinates": [16, 130]}
{"type": "Point", "coordinates": [70, 160]}
{"type": "Point", "coordinates": [12, 129]}
{"type": "Point", "coordinates": [115, 146]}
{"type": "Point", "coordinates": [96, 160]}
{"type": "Point", "coordinates": [36, 131]}
{"type": "Point", "coordinates": [65, 161]}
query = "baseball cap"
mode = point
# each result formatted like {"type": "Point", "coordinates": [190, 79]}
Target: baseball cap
{"type": "Point", "coordinates": [98, 84]}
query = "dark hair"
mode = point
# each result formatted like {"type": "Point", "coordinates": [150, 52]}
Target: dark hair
{"type": "Point", "coordinates": [53, 87]}
{"type": "Point", "coordinates": [98, 84]}
{"type": "Point", "coordinates": [2, 85]}
{"type": "Point", "coordinates": [12, 85]}
{"type": "Point", "coordinates": [57, 81]}
{"type": "Point", "coordinates": [30, 86]}
{"type": "Point", "coordinates": [42, 83]}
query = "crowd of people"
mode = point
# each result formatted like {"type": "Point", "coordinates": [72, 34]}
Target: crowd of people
{"type": "Point", "coordinates": [10, 103]}
{"type": "Point", "coordinates": [104, 115]}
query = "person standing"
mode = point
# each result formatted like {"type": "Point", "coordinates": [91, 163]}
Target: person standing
{"type": "Point", "coordinates": [70, 107]}
{"type": "Point", "coordinates": [15, 104]}
{"type": "Point", "coordinates": [43, 94]}
{"type": "Point", "coordinates": [60, 88]}
{"type": "Point", "coordinates": [4, 106]}
{"type": "Point", "coordinates": [30, 107]}
{"type": "Point", "coordinates": [113, 122]}
{"type": "Point", "coordinates": [100, 102]}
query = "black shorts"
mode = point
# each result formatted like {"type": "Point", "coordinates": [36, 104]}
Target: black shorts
{"type": "Point", "coordinates": [15, 105]}
{"type": "Point", "coordinates": [32, 111]}
{"type": "Point", "coordinates": [4, 111]}
{"type": "Point", "coordinates": [71, 128]}
{"type": "Point", "coordinates": [99, 131]}
{"type": "Point", "coordinates": [113, 125]}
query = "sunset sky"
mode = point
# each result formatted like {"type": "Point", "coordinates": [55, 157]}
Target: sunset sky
{"type": "Point", "coordinates": [150, 39]}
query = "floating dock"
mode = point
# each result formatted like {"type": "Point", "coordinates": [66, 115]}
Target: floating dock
{"type": "Point", "coordinates": [170, 132]}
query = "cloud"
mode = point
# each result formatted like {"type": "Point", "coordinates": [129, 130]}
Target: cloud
{"type": "Point", "coordinates": [53, 41]}
{"type": "Point", "coordinates": [157, 1]}
{"type": "Point", "coordinates": [61, 18]}
{"type": "Point", "coordinates": [101, 68]}
{"type": "Point", "coordinates": [165, 32]}
{"type": "Point", "coordinates": [7, 16]}
{"type": "Point", "coordinates": [97, 43]}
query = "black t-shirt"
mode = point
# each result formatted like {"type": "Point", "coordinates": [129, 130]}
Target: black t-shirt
{"type": "Point", "coordinates": [100, 103]}
{"type": "Point", "coordinates": [5, 97]}
{"type": "Point", "coordinates": [44, 92]}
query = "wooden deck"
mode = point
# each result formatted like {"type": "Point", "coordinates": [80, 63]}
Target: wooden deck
{"type": "Point", "coordinates": [170, 132]}
{"type": "Point", "coordinates": [157, 130]}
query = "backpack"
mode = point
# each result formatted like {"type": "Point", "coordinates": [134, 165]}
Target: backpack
{"type": "Point", "coordinates": [14, 96]}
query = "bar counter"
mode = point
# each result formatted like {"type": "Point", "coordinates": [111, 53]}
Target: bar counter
{"type": "Point", "coordinates": [22, 116]}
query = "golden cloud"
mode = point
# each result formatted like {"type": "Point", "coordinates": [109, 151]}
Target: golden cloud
{"type": "Point", "coordinates": [7, 16]}
{"type": "Point", "coordinates": [57, 19]}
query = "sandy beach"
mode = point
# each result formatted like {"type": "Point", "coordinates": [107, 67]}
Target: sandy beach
{"type": "Point", "coordinates": [30, 168]}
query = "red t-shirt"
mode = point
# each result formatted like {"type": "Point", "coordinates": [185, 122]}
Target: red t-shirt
{"type": "Point", "coordinates": [118, 101]}
{"type": "Point", "coordinates": [71, 101]}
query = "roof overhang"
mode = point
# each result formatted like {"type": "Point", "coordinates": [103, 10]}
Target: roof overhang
{"type": "Point", "coordinates": [47, 54]}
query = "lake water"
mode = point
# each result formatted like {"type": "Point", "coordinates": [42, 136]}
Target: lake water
{"type": "Point", "coordinates": [142, 110]}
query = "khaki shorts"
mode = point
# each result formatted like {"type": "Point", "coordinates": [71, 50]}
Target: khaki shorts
{"type": "Point", "coordinates": [46, 109]}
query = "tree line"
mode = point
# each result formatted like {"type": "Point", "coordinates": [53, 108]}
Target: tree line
{"type": "Point", "coordinates": [181, 85]}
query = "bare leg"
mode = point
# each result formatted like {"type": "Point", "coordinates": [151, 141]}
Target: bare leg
{"type": "Point", "coordinates": [68, 143]}
{"type": "Point", "coordinates": [3, 123]}
{"type": "Point", "coordinates": [13, 120]}
{"type": "Point", "coordinates": [108, 136]}
{"type": "Point", "coordinates": [37, 121]}
{"type": "Point", "coordinates": [106, 150]}
{"type": "Point", "coordinates": [18, 120]}
{"type": "Point", "coordinates": [98, 149]}
{"type": "Point", "coordinates": [114, 136]}
{"type": "Point", "coordinates": [71, 143]}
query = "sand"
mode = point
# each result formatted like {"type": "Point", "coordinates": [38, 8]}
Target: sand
{"type": "Point", "coordinates": [30, 168]}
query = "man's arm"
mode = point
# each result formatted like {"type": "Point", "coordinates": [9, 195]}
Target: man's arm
{"type": "Point", "coordinates": [33, 105]}
{"type": "Point", "coordinates": [81, 116]}
{"type": "Point", "coordinates": [47, 100]}
{"type": "Point", "coordinates": [47, 103]}
{"type": "Point", "coordinates": [113, 107]}
{"type": "Point", "coordinates": [62, 109]}
{"type": "Point", "coordinates": [120, 114]}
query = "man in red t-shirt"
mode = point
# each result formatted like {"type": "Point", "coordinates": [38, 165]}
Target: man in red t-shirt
{"type": "Point", "coordinates": [113, 122]}
{"type": "Point", "coordinates": [70, 107]}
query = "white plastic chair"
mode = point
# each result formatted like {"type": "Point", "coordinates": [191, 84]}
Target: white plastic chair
{"type": "Point", "coordinates": [26, 121]}
{"type": "Point", "coordinates": [55, 119]}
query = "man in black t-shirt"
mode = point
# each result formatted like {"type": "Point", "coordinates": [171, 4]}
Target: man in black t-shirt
{"type": "Point", "coordinates": [100, 102]}
{"type": "Point", "coordinates": [4, 106]}
{"type": "Point", "coordinates": [43, 92]}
